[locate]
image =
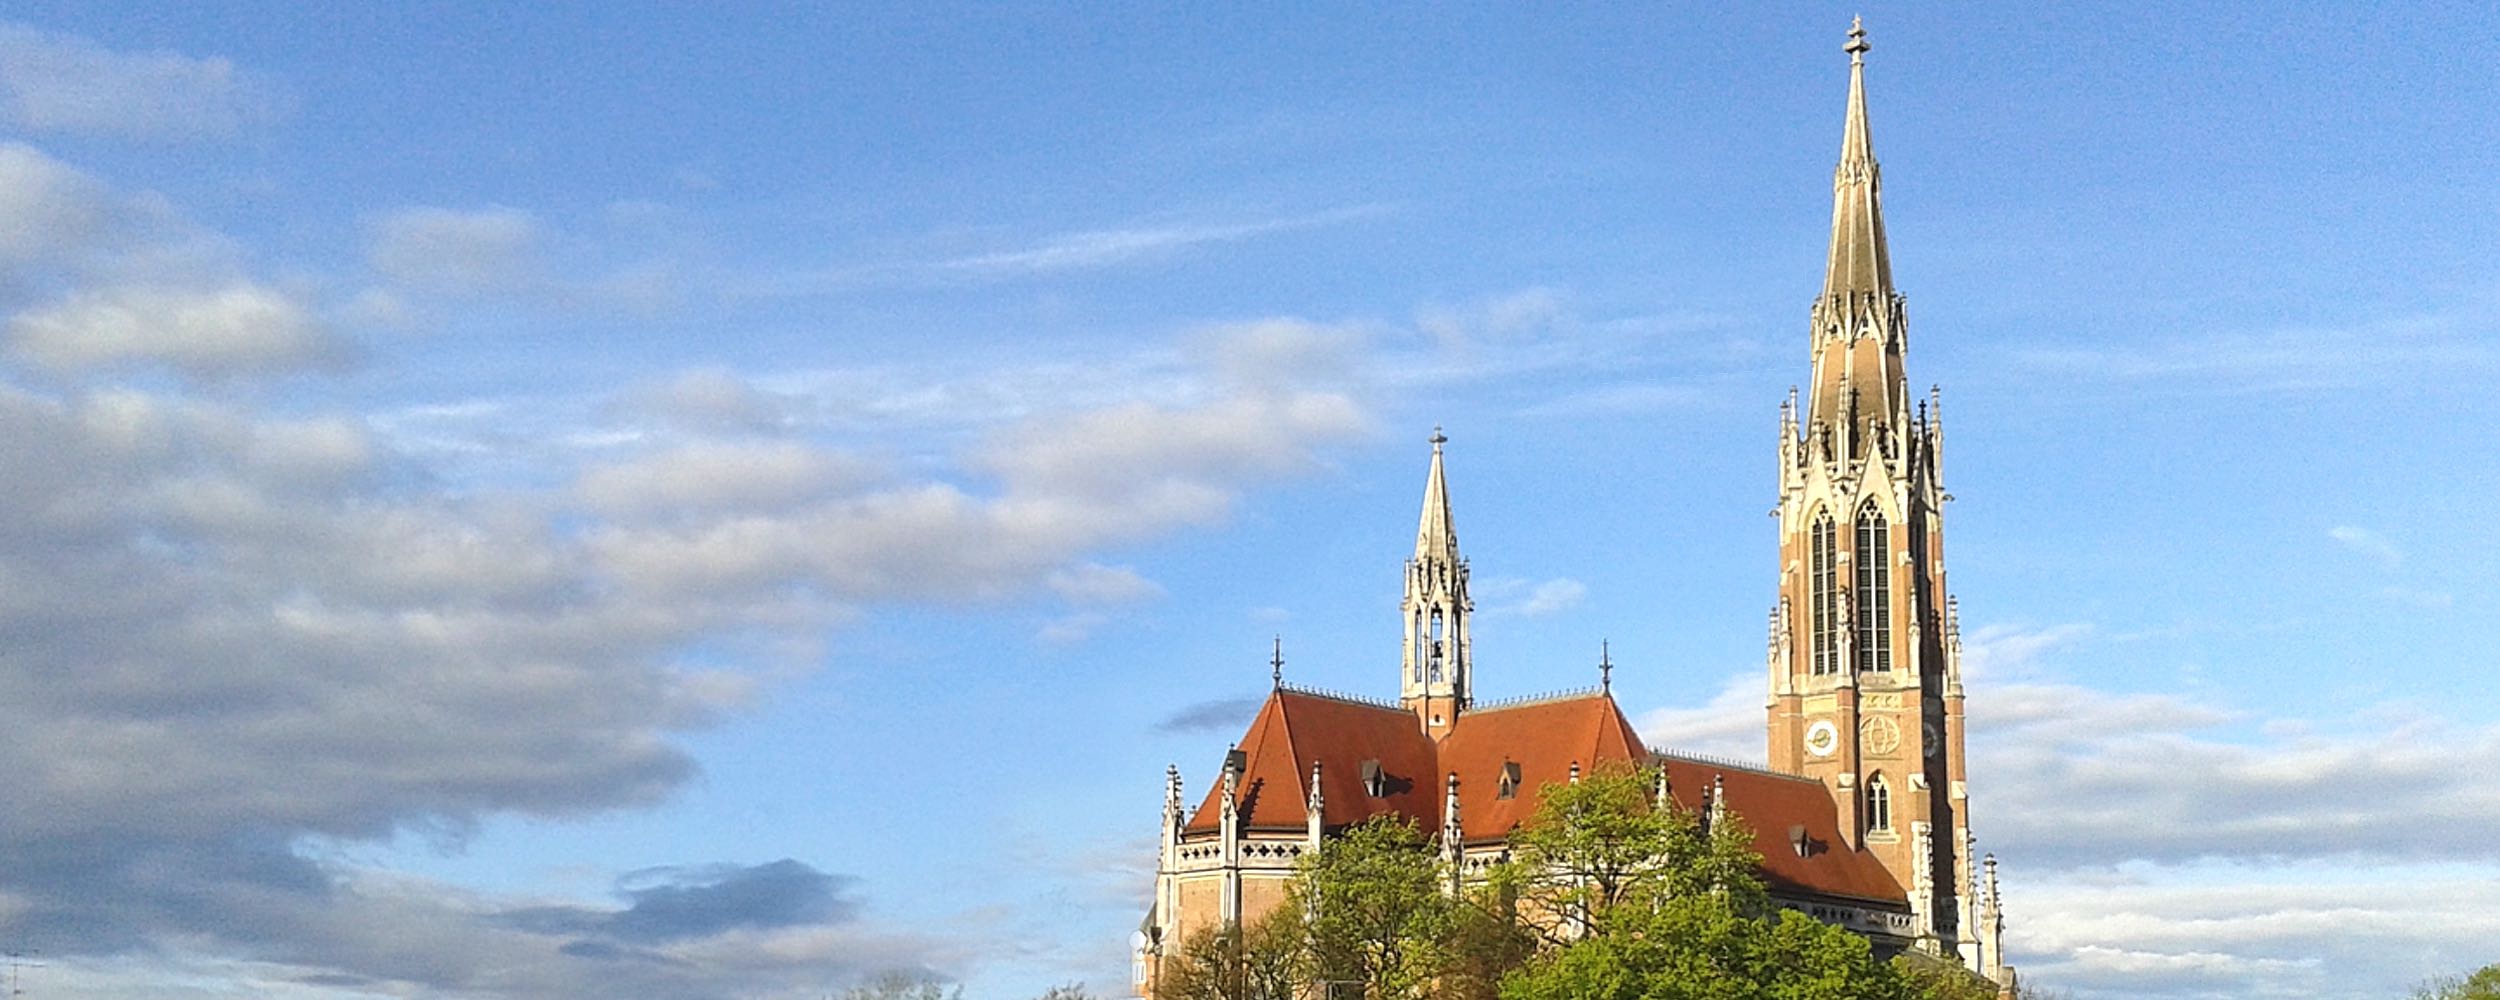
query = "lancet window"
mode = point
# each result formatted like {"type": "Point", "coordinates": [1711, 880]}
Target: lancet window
{"type": "Point", "coordinates": [1822, 552]}
{"type": "Point", "coordinates": [1874, 610]}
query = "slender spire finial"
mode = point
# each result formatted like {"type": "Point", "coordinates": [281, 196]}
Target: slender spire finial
{"type": "Point", "coordinates": [1276, 663]}
{"type": "Point", "coordinates": [1860, 263]}
{"type": "Point", "coordinates": [1605, 666]}
{"type": "Point", "coordinates": [1438, 438]}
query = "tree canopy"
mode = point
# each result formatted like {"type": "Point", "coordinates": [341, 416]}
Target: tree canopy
{"type": "Point", "coordinates": [2482, 984]}
{"type": "Point", "coordinates": [1610, 891]}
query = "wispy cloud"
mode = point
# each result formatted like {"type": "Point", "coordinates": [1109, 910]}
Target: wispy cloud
{"type": "Point", "coordinates": [2464, 340]}
{"type": "Point", "coordinates": [1217, 713]}
{"type": "Point", "coordinates": [1530, 598]}
{"type": "Point", "coordinates": [1109, 247]}
{"type": "Point", "coordinates": [54, 82]}
{"type": "Point", "coordinates": [2368, 543]}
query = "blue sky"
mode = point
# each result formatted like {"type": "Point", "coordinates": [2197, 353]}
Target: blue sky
{"type": "Point", "coordinates": [519, 502]}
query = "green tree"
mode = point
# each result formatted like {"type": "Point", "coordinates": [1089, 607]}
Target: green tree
{"type": "Point", "coordinates": [1263, 961]}
{"type": "Point", "coordinates": [898, 984]}
{"type": "Point", "coordinates": [1934, 978]}
{"type": "Point", "coordinates": [1601, 845]}
{"type": "Point", "coordinates": [1377, 914]}
{"type": "Point", "coordinates": [1699, 947]}
{"type": "Point", "coordinates": [2482, 984]}
{"type": "Point", "coordinates": [1485, 941]}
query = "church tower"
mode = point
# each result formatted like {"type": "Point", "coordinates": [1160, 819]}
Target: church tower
{"type": "Point", "coordinates": [1866, 685]}
{"type": "Point", "coordinates": [1436, 675]}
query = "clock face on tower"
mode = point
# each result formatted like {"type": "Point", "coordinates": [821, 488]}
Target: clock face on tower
{"type": "Point", "coordinates": [1933, 743]}
{"type": "Point", "coordinates": [1822, 738]}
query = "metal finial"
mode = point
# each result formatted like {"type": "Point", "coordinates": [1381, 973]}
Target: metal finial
{"type": "Point", "coordinates": [1605, 666]}
{"type": "Point", "coordinates": [1438, 438]}
{"type": "Point", "coordinates": [1276, 663]}
{"type": "Point", "coordinates": [1857, 40]}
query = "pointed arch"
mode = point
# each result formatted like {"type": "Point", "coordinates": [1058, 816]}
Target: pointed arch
{"type": "Point", "coordinates": [1822, 561]}
{"type": "Point", "coordinates": [1878, 802]}
{"type": "Point", "coordinates": [1874, 589]}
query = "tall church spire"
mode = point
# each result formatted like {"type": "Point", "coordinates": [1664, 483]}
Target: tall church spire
{"type": "Point", "coordinates": [1859, 261]}
{"type": "Point", "coordinates": [1860, 397]}
{"type": "Point", "coordinates": [1436, 674]}
{"type": "Point", "coordinates": [1866, 692]}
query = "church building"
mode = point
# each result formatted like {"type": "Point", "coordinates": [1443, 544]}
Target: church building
{"type": "Point", "coordinates": [1862, 814]}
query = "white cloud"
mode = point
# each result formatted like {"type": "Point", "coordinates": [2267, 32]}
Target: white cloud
{"type": "Point", "coordinates": [2290, 359]}
{"type": "Point", "coordinates": [1729, 726]}
{"type": "Point", "coordinates": [712, 401]}
{"type": "Point", "coordinates": [2232, 929]}
{"type": "Point", "coordinates": [1095, 583]}
{"type": "Point", "coordinates": [1511, 596]}
{"type": "Point", "coordinates": [2367, 543]}
{"type": "Point", "coordinates": [231, 330]}
{"type": "Point", "coordinates": [1107, 247]}
{"type": "Point", "coordinates": [709, 479]}
{"type": "Point", "coordinates": [471, 252]}
{"type": "Point", "coordinates": [47, 209]}
{"type": "Point", "coordinates": [1523, 313]}
{"type": "Point", "coordinates": [2002, 652]}
{"type": "Point", "coordinates": [53, 82]}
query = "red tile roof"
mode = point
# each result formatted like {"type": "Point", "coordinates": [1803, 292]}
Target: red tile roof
{"type": "Point", "coordinates": [1544, 738]}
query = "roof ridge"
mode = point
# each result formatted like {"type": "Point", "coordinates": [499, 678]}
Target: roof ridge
{"type": "Point", "coordinates": [1726, 762]}
{"type": "Point", "coordinates": [1340, 696]}
{"type": "Point", "coordinates": [1284, 721]}
{"type": "Point", "coordinates": [1537, 699]}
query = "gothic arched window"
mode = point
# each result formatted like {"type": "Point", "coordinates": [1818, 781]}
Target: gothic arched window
{"type": "Point", "coordinates": [1878, 803]}
{"type": "Point", "coordinates": [1822, 551]}
{"type": "Point", "coordinates": [1874, 618]}
{"type": "Point", "coordinates": [1436, 644]}
{"type": "Point", "coordinates": [1423, 646]}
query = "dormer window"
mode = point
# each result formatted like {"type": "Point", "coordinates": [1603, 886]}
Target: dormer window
{"type": "Point", "coordinates": [1510, 780]}
{"type": "Point", "coordinates": [1375, 782]}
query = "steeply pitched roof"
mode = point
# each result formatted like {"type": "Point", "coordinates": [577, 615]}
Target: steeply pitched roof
{"type": "Point", "coordinates": [1295, 728]}
{"type": "Point", "coordinates": [1769, 804]}
{"type": "Point", "coordinates": [1544, 738]}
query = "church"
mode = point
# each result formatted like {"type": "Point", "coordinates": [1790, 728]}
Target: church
{"type": "Point", "coordinates": [1862, 815]}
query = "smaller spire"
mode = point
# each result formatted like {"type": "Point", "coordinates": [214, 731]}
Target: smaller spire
{"type": "Point", "coordinates": [1435, 538]}
{"type": "Point", "coordinates": [1605, 667]}
{"type": "Point", "coordinates": [1276, 663]}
